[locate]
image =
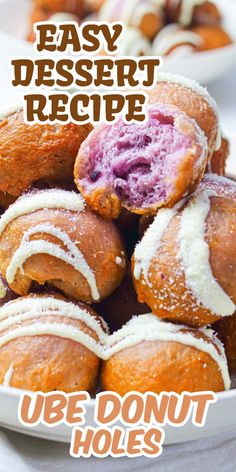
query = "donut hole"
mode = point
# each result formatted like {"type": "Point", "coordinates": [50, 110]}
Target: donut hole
{"type": "Point", "coordinates": [141, 163]}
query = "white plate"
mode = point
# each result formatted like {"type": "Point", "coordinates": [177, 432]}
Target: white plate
{"type": "Point", "coordinates": [203, 67]}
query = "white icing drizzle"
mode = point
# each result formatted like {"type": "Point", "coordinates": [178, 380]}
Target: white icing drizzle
{"type": "Point", "coordinates": [150, 242]}
{"type": "Point", "coordinates": [130, 12]}
{"type": "Point", "coordinates": [8, 376]}
{"type": "Point", "coordinates": [74, 257]}
{"type": "Point", "coordinates": [114, 9]}
{"type": "Point", "coordinates": [187, 10]}
{"type": "Point", "coordinates": [148, 246]}
{"type": "Point", "coordinates": [12, 107]}
{"type": "Point", "coordinates": [3, 290]}
{"type": "Point", "coordinates": [195, 87]}
{"type": "Point", "coordinates": [31, 202]}
{"type": "Point", "coordinates": [220, 179]}
{"type": "Point", "coordinates": [195, 256]}
{"type": "Point", "coordinates": [181, 52]}
{"type": "Point", "coordinates": [150, 328]}
{"type": "Point", "coordinates": [40, 200]}
{"type": "Point", "coordinates": [133, 43]}
{"type": "Point", "coordinates": [141, 328]}
{"type": "Point", "coordinates": [171, 37]}
{"type": "Point", "coordinates": [60, 330]}
{"type": "Point", "coordinates": [32, 307]}
{"type": "Point", "coordinates": [26, 250]}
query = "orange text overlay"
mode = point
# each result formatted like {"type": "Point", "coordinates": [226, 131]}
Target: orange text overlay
{"type": "Point", "coordinates": [118, 426]}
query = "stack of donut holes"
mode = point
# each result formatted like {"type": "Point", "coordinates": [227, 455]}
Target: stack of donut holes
{"type": "Point", "coordinates": [160, 27]}
{"type": "Point", "coordinates": [118, 250]}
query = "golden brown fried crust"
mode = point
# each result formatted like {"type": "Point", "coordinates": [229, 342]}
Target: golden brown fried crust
{"type": "Point", "coordinates": [168, 296]}
{"type": "Point", "coordinates": [212, 37]}
{"type": "Point", "coordinates": [191, 103]}
{"type": "Point", "coordinates": [226, 329]}
{"type": "Point", "coordinates": [29, 153]}
{"type": "Point", "coordinates": [98, 240]}
{"type": "Point", "coordinates": [47, 363]}
{"type": "Point", "coordinates": [217, 164]}
{"type": "Point", "coordinates": [161, 366]}
{"type": "Point", "coordinates": [102, 200]}
{"type": "Point", "coordinates": [70, 6]}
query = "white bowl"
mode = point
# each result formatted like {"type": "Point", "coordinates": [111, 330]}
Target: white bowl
{"type": "Point", "coordinates": [203, 67]}
{"type": "Point", "coordinates": [221, 417]}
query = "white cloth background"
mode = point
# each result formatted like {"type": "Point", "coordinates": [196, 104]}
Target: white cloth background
{"type": "Point", "coordinates": [20, 453]}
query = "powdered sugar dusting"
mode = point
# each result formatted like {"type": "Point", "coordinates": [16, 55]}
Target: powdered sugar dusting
{"type": "Point", "coordinates": [194, 254]}
{"type": "Point", "coordinates": [53, 198]}
{"type": "Point", "coordinates": [74, 256]}
{"type": "Point", "coordinates": [196, 87]}
{"type": "Point", "coordinates": [150, 328]}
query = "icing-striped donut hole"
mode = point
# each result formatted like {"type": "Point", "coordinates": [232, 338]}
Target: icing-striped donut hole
{"type": "Point", "coordinates": [193, 250]}
{"type": "Point", "coordinates": [47, 199]}
{"type": "Point", "coordinates": [147, 328]}
{"type": "Point", "coordinates": [131, 12]}
{"type": "Point", "coordinates": [198, 89]}
{"type": "Point", "coordinates": [172, 38]}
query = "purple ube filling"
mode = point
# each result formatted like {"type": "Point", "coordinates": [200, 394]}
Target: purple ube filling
{"type": "Point", "coordinates": [138, 161]}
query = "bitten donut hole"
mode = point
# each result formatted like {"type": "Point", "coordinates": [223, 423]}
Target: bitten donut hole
{"type": "Point", "coordinates": [141, 165]}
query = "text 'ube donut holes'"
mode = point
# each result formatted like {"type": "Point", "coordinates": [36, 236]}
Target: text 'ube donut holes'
{"type": "Point", "coordinates": [151, 355]}
{"type": "Point", "coordinates": [30, 153]}
{"type": "Point", "coordinates": [49, 343]}
{"type": "Point", "coordinates": [141, 167]}
{"type": "Point", "coordinates": [184, 267]}
{"type": "Point", "coordinates": [52, 237]}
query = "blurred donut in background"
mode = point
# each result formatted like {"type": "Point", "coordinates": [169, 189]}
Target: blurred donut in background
{"type": "Point", "coordinates": [188, 12]}
{"type": "Point", "coordinates": [147, 16]}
